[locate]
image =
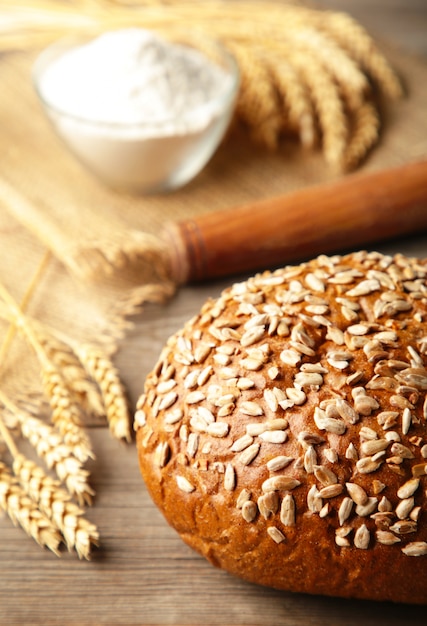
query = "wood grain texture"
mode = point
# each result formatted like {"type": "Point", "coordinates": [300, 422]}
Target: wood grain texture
{"type": "Point", "coordinates": [143, 574]}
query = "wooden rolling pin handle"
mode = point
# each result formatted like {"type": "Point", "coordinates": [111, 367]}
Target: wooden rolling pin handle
{"type": "Point", "coordinates": [356, 211]}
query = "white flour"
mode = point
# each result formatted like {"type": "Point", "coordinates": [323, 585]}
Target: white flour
{"type": "Point", "coordinates": [142, 113]}
{"type": "Point", "coordinates": [132, 76]}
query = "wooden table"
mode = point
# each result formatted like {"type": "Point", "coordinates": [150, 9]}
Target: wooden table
{"type": "Point", "coordinates": [143, 573]}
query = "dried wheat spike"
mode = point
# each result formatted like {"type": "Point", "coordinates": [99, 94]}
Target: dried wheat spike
{"type": "Point", "coordinates": [23, 511]}
{"type": "Point", "coordinates": [354, 38]}
{"type": "Point", "coordinates": [56, 504]}
{"type": "Point", "coordinates": [295, 100]}
{"type": "Point", "coordinates": [66, 413]}
{"type": "Point", "coordinates": [366, 129]}
{"type": "Point", "coordinates": [257, 104]}
{"type": "Point", "coordinates": [62, 355]}
{"type": "Point", "coordinates": [315, 44]}
{"type": "Point", "coordinates": [329, 107]}
{"type": "Point", "coordinates": [100, 367]}
{"type": "Point", "coordinates": [50, 447]}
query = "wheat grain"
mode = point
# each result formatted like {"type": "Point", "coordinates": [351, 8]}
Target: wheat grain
{"type": "Point", "coordinates": [102, 370]}
{"type": "Point", "coordinates": [61, 354]}
{"type": "Point", "coordinates": [354, 38]}
{"type": "Point", "coordinates": [23, 511]}
{"type": "Point", "coordinates": [329, 107]}
{"type": "Point", "coordinates": [54, 502]}
{"type": "Point", "coordinates": [257, 103]}
{"type": "Point", "coordinates": [66, 413]}
{"type": "Point", "coordinates": [365, 134]}
{"type": "Point", "coordinates": [295, 100]}
{"type": "Point", "coordinates": [50, 446]}
{"type": "Point", "coordinates": [316, 44]}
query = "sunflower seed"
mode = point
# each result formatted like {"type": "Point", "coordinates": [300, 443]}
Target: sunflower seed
{"type": "Point", "coordinates": [249, 511]}
{"type": "Point", "coordinates": [218, 429]}
{"type": "Point", "coordinates": [280, 483]}
{"type": "Point", "coordinates": [310, 459]}
{"type": "Point", "coordinates": [314, 282]}
{"type": "Point", "coordinates": [229, 477]}
{"type": "Point", "coordinates": [268, 504]}
{"type": "Point", "coordinates": [276, 534]}
{"type": "Point", "coordinates": [409, 488]}
{"type": "Point", "coordinates": [404, 527]}
{"type": "Point", "coordinates": [314, 502]}
{"type": "Point", "coordinates": [251, 408]}
{"type": "Point", "coordinates": [330, 491]}
{"type": "Point", "coordinates": [279, 462]}
{"type": "Point", "coordinates": [243, 442]}
{"type": "Point", "coordinates": [249, 454]}
{"type": "Point", "coordinates": [362, 537]}
{"type": "Point", "coordinates": [364, 288]}
{"type": "Point", "coordinates": [363, 510]}
{"type": "Point", "coordinates": [386, 538]}
{"type": "Point", "coordinates": [345, 510]}
{"type": "Point", "coordinates": [373, 446]}
{"type": "Point", "coordinates": [184, 484]}
{"type": "Point", "coordinates": [192, 444]}
{"type": "Point", "coordinates": [367, 465]}
{"type": "Point", "coordinates": [287, 510]}
{"type": "Point", "coordinates": [243, 497]}
{"type": "Point", "coordinates": [274, 436]}
{"type": "Point", "coordinates": [357, 493]}
{"type": "Point", "coordinates": [325, 476]}
{"type": "Point", "coordinates": [416, 548]}
{"type": "Point", "coordinates": [404, 508]}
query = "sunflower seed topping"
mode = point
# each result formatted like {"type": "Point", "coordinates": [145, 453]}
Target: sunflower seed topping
{"type": "Point", "coordinates": [280, 483]}
{"type": "Point", "coordinates": [229, 477]}
{"type": "Point", "coordinates": [249, 511]}
{"type": "Point", "coordinates": [362, 537]}
{"type": "Point", "coordinates": [416, 548]}
{"type": "Point", "coordinates": [409, 488]}
{"type": "Point", "coordinates": [276, 534]}
{"type": "Point", "coordinates": [248, 455]}
{"type": "Point", "coordinates": [279, 462]}
{"type": "Point", "coordinates": [386, 538]}
{"type": "Point", "coordinates": [184, 484]}
{"type": "Point", "coordinates": [243, 497]}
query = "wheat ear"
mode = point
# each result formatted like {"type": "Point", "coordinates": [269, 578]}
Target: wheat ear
{"type": "Point", "coordinates": [23, 511]}
{"type": "Point", "coordinates": [65, 411]}
{"type": "Point", "coordinates": [50, 447]}
{"type": "Point", "coordinates": [55, 502]}
{"type": "Point", "coordinates": [113, 393]}
{"type": "Point", "coordinates": [19, 506]}
{"type": "Point", "coordinates": [64, 358]}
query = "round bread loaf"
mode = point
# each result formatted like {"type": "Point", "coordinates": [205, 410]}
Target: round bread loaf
{"type": "Point", "coordinates": [283, 431]}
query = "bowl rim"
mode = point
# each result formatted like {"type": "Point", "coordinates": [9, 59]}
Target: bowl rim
{"type": "Point", "coordinates": [53, 51]}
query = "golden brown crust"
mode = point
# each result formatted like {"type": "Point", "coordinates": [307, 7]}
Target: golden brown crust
{"type": "Point", "coordinates": [283, 429]}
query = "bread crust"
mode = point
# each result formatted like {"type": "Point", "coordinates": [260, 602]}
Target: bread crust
{"type": "Point", "coordinates": [283, 433]}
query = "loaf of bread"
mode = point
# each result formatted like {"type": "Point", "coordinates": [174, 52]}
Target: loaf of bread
{"type": "Point", "coordinates": [283, 431]}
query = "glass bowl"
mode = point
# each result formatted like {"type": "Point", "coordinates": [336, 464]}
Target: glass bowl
{"type": "Point", "coordinates": [145, 155]}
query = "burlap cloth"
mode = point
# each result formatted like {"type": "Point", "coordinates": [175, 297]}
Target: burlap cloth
{"type": "Point", "coordinates": [73, 212]}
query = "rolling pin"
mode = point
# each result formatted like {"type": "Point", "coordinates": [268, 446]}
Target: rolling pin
{"type": "Point", "coordinates": [350, 213]}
